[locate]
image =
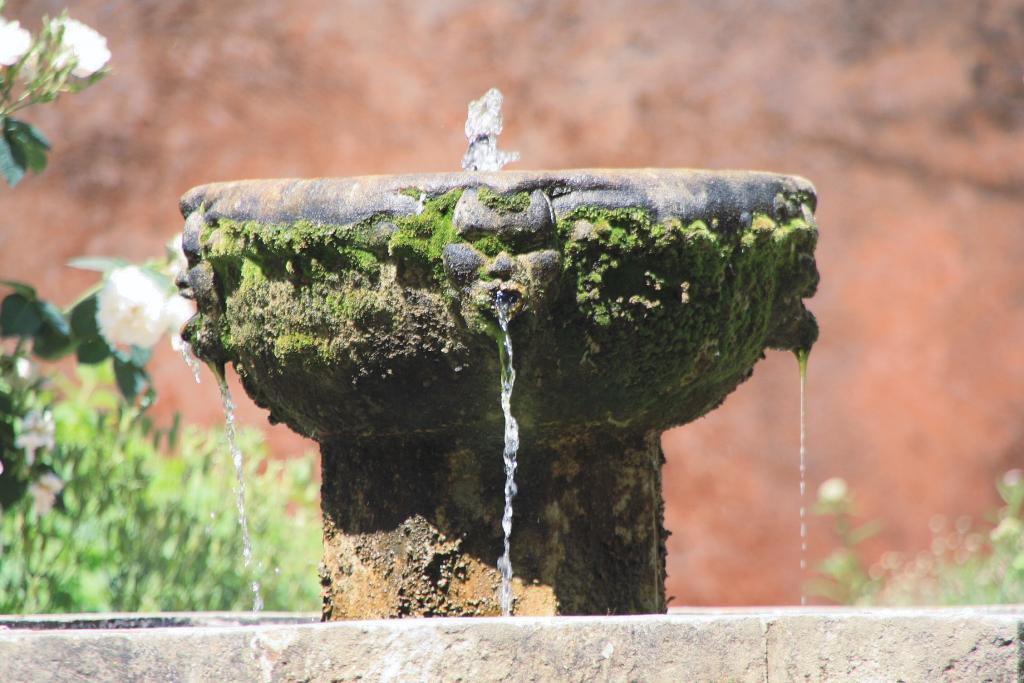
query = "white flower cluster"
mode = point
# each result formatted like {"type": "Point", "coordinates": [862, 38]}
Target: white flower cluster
{"type": "Point", "coordinates": [134, 310]}
{"type": "Point", "coordinates": [80, 45]}
{"type": "Point", "coordinates": [833, 491]}
{"type": "Point", "coordinates": [85, 46]}
{"type": "Point", "coordinates": [37, 431]}
{"type": "Point", "coordinates": [177, 311]}
{"type": "Point", "coordinates": [14, 42]}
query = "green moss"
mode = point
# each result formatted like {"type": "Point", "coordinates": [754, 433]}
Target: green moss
{"type": "Point", "coordinates": [611, 283]}
{"type": "Point", "coordinates": [360, 305]}
{"type": "Point", "coordinates": [300, 252]}
{"type": "Point", "coordinates": [647, 314]}
{"type": "Point", "coordinates": [761, 222]}
{"type": "Point", "coordinates": [490, 245]}
{"type": "Point", "coordinates": [687, 301]}
{"type": "Point", "coordinates": [251, 270]}
{"type": "Point", "coordinates": [420, 239]}
{"type": "Point", "coordinates": [516, 202]}
{"type": "Point", "coordinates": [288, 346]}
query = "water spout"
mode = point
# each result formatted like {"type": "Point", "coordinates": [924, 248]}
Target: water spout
{"type": "Point", "coordinates": [503, 302]}
{"type": "Point", "coordinates": [483, 125]}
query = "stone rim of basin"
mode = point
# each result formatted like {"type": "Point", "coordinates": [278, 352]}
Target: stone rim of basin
{"type": "Point", "coordinates": [358, 197]}
{"type": "Point", "coordinates": [360, 311]}
{"type": "Point", "coordinates": [508, 230]}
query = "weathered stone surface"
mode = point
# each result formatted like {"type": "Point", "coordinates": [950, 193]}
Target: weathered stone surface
{"type": "Point", "coordinates": [383, 349]}
{"type": "Point", "coordinates": [462, 263]}
{"type": "Point", "coordinates": [341, 333]}
{"type": "Point", "coordinates": [821, 646]}
{"type": "Point", "coordinates": [134, 620]}
{"type": "Point", "coordinates": [417, 535]}
{"type": "Point", "coordinates": [951, 646]}
{"type": "Point", "coordinates": [522, 218]}
{"type": "Point", "coordinates": [501, 267]}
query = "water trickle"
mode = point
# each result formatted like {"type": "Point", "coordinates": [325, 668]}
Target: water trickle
{"type": "Point", "coordinates": [801, 357]}
{"type": "Point", "coordinates": [503, 303]}
{"type": "Point", "coordinates": [189, 357]}
{"type": "Point", "coordinates": [236, 458]}
{"type": "Point", "coordinates": [483, 125]}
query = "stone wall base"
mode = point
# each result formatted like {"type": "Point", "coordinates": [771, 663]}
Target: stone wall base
{"type": "Point", "coordinates": [740, 646]}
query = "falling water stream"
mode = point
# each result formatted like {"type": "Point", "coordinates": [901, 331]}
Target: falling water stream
{"type": "Point", "coordinates": [236, 457]}
{"type": "Point", "coordinates": [189, 357]}
{"type": "Point", "coordinates": [503, 303]}
{"type": "Point", "coordinates": [801, 357]}
{"type": "Point", "coordinates": [483, 125]}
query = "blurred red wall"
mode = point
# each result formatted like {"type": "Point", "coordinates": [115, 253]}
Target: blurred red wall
{"type": "Point", "coordinates": [908, 116]}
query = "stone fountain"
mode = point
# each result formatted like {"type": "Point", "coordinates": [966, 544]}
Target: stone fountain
{"type": "Point", "coordinates": [361, 313]}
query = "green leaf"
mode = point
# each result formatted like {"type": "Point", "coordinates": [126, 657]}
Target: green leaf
{"type": "Point", "coordinates": [140, 356]}
{"type": "Point", "coordinates": [27, 291]}
{"type": "Point", "coordinates": [83, 318]}
{"type": "Point", "coordinates": [11, 170]}
{"type": "Point", "coordinates": [28, 146]}
{"type": "Point", "coordinates": [52, 343]}
{"type": "Point", "coordinates": [131, 379]}
{"type": "Point", "coordinates": [29, 131]}
{"type": "Point", "coordinates": [53, 317]}
{"type": "Point", "coordinates": [102, 264]}
{"type": "Point", "coordinates": [11, 488]}
{"type": "Point", "coordinates": [173, 432]}
{"type": "Point", "coordinates": [865, 531]}
{"type": "Point", "coordinates": [92, 350]}
{"type": "Point", "coordinates": [19, 316]}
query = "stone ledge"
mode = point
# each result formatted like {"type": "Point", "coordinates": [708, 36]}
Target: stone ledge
{"type": "Point", "coordinates": [773, 646]}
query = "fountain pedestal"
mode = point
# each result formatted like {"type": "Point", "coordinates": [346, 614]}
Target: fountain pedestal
{"type": "Point", "coordinates": [360, 312]}
{"type": "Point", "coordinates": [411, 526]}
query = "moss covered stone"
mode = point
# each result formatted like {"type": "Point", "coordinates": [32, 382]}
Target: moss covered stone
{"type": "Point", "coordinates": [504, 203]}
{"type": "Point", "coordinates": [643, 299]}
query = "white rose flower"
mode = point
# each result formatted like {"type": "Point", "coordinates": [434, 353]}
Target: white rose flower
{"type": "Point", "coordinates": [25, 369]}
{"type": "Point", "coordinates": [131, 308]}
{"type": "Point", "coordinates": [14, 42]}
{"type": "Point", "coordinates": [45, 490]}
{"type": "Point", "coordinates": [832, 490]}
{"type": "Point", "coordinates": [177, 311]}
{"type": "Point", "coordinates": [37, 431]}
{"type": "Point", "coordinates": [83, 45]}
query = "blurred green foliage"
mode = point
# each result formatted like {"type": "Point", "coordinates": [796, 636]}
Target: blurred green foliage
{"type": "Point", "coordinates": [146, 519]}
{"type": "Point", "coordinates": [968, 563]}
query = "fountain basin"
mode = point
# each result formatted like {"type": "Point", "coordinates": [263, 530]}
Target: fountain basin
{"type": "Point", "coordinates": [817, 645]}
{"type": "Point", "coordinates": [360, 312]}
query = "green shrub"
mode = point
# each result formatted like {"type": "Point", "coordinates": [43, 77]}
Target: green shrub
{"type": "Point", "coordinates": [146, 519]}
{"type": "Point", "coordinates": [968, 563]}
